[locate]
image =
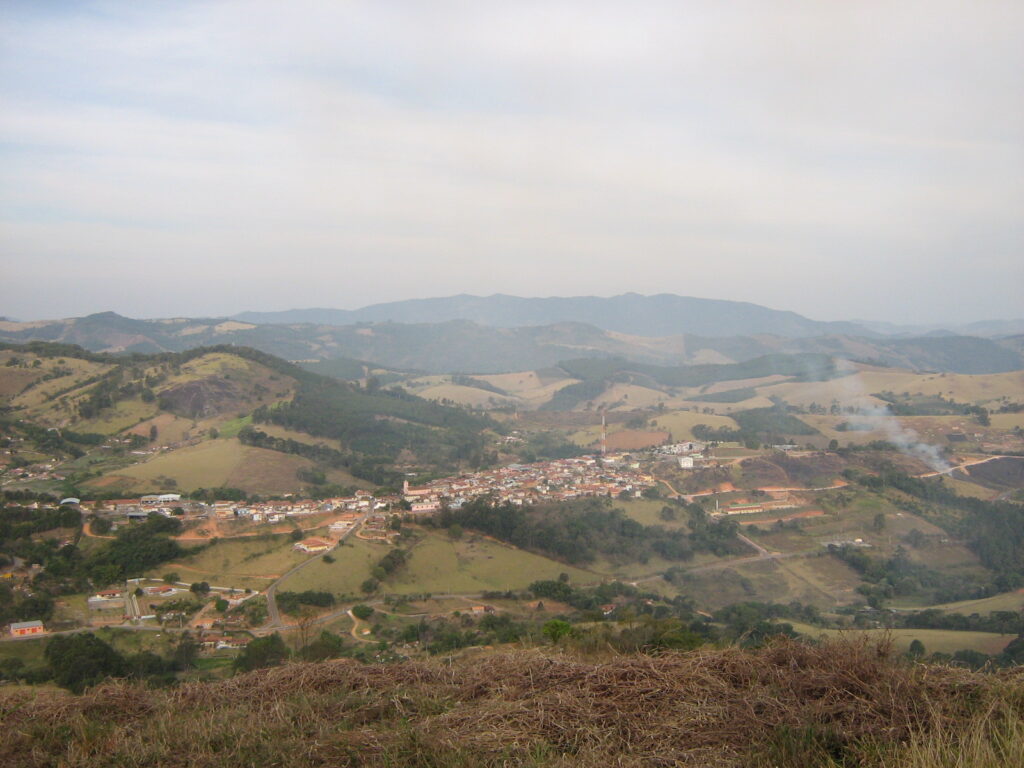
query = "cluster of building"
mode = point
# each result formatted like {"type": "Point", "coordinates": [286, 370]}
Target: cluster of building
{"type": "Point", "coordinates": [556, 480]}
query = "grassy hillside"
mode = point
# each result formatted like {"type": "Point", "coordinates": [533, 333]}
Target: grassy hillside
{"type": "Point", "coordinates": [125, 408]}
{"type": "Point", "coordinates": [788, 705]}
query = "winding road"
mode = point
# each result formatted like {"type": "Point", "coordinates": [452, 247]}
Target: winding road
{"type": "Point", "coordinates": [274, 622]}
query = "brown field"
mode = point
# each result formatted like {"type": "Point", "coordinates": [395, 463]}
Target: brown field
{"type": "Point", "coordinates": [211, 464]}
{"type": "Point", "coordinates": [170, 428]}
{"type": "Point", "coordinates": [13, 380]}
{"type": "Point", "coordinates": [629, 397]}
{"type": "Point", "coordinates": [465, 395]}
{"type": "Point", "coordinates": [634, 439]}
{"type": "Point", "coordinates": [681, 423]}
{"type": "Point", "coordinates": [785, 518]}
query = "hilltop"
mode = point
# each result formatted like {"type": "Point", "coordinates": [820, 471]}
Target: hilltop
{"type": "Point", "coordinates": [788, 705]}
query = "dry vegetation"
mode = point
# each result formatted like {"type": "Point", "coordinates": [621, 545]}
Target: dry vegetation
{"type": "Point", "coordinates": [789, 704]}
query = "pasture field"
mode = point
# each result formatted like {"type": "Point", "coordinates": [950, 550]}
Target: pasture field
{"type": "Point", "coordinates": [858, 388]}
{"type": "Point", "coordinates": [1007, 601]}
{"type": "Point", "coordinates": [123, 414]}
{"type": "Point", "coordinates": [515, 383]}
{"type": "Point", "coordinates": [935, 640]}
{"type": "Point", "coordinates": [758, 401]}
{"type": "Point", "coordinates": [124, 640]}
{"type": "Point", "coordinates": [214, 463]}
{"type": "Point", "coordinates": [437, 565]}
{"type": "Point", "coordinates": [232, 427]}
{"type": "Point", "coordinates": [290, 434]}
{"type": "Point", "coordinates": [635, 439]}
{"type": "Point", "coordinates": [833, 580]}
{"type": "Point", "coordinates": [170, 428]}
{"type": "Point", "coordinates": [728, 386]}
{"type": "Point", "coordinates": [647, 512]}
{"type": "Point", "coordinates": [477, 398]}
{"type": "Point", "coordinates": [628, 397]}
{"type": "Point", "coordinates": [248, 561]}
{"type": "Point", "coordinates": [351, 567]}
{"type": "Point", "coordinates": [473, 564]}
{"type": "Point", "coordinates": [680, 424]}
{"type": "Point", "coordinates": [826, 425]}
{"type": "Point", "coordinates": [35, 399]}
{"type": "Point", "coordinates": [532, 389]}
{"type": "Point", "coordinates": [761, 580]}
{"type": "Point", "coordinates": [14, 380]}
{"type": "Point", "coordinates": [967, 488]}
{"type": "Point", "coordinates": [1007, 421]}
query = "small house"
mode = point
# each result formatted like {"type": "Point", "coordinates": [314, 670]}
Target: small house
{"type": "Point", "coordinates": [27, 628]}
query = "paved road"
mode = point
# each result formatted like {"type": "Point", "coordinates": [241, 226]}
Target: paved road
{"type": "Point", "coordinates": [273, 614]}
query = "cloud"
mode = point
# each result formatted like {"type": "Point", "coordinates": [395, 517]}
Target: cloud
{"type": "Point", "coordinates": [341, 154]}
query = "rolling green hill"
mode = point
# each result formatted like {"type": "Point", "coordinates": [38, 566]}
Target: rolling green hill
{"type": "Point", "coordinates": [99, 412]}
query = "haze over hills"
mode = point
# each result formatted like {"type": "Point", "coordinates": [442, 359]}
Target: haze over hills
{"type": "Point", "coordinates": [660, 315]}
{"type": "Point", "coordinates": [466, 346]}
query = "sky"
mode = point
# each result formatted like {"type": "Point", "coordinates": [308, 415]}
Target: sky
{"type": "Point", "coordinates": [841, 160]}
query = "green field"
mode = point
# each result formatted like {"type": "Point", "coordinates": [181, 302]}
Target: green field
{"type": "Point", "coordinates": [1008, 601]}
{"type": "Point", "coordinates": [241, 562]}
{"type": "Point", "coordinates": [124, 414]}
{"type": "Point", "coordinates": [437, 565]}
{"type": "Point", "coordinates": [935, 640]}
{"type": "Point", "coordinates": [351, 567]}
{"type": "Point", "coordinates": [124, 640]}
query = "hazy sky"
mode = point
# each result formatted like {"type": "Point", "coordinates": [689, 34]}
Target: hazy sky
{"type": "Point", "coordinates": [840, 159]}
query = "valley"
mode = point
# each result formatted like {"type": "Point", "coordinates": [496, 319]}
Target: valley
{"type": "Point", "coordinates": [457, 510]}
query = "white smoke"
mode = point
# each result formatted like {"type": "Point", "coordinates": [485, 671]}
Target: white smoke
{"type": "Point", "coordinates": [904, 438]}
{"type": "Point", "coordinates": [880, 419]}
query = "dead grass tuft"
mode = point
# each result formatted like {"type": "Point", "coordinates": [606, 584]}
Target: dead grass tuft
{"type": "Point", "coordinates": [787, 704]}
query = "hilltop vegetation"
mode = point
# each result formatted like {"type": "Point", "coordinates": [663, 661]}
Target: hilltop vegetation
{"type": "Point", "coordinates": [817, 707]}
{"type": "Point", "coordinates": [103, 405]}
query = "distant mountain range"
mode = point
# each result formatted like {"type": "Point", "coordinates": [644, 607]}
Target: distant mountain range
{"type": "Point", "coordinates": [661, 315]}
{"type": "Point", "coordinates": [464, 346]}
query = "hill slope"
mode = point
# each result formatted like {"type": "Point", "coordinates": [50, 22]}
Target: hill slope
{"type": "Point", "coordinates": [464, 346]}
{"type": "Point", "coordinates": [101, 412]}
{"type": "Point", "coordinates": [661, 315]}
{"type": "Point", "coordinates": [786, 705]}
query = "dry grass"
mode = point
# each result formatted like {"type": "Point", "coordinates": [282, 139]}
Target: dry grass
{"type": "Point", "coordinates": [790, 704]}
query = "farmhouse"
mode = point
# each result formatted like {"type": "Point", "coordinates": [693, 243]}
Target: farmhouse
{"type": "Point", "coordinates": [314, 545]}
{"type": "Point", "coordinates": [27, 628]}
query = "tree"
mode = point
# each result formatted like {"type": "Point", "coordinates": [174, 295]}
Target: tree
{"type": "Point", "coordinates": [667, 514]}
{"type": "Point", "coordinates": [221, 604]}
{"type": "Point", "coordinates": [369, 586]}
{"type": "Point", "coordinates": [200, 587]}
{"type": "Point", "coordinates": [81, 660]}
{"type": "Point", "coordinates": [100, 525]}
{"type": "Point", "coordinates": [916, 649]}
{"type": "Point", "coordinates": [262, 652]}
{"type": "Point", "coordinates": [878, 524]}
{"type": "Point", "coordinates": [833, 445]}
{"type": "Point", "coordinates": [454, 531]}
{"type": "Point", "coordinates": [556, 629]}
{"type": "Point", "coordinates": [362, 611]}
{"type": "Point", "coordinates": [152, 432]}
{"type": "Point", "coordinates": [186, 652]}
{"type": "Point", "coordinates": [171, 577]}
{"type": "Point", "coordinates": [296, 534]}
